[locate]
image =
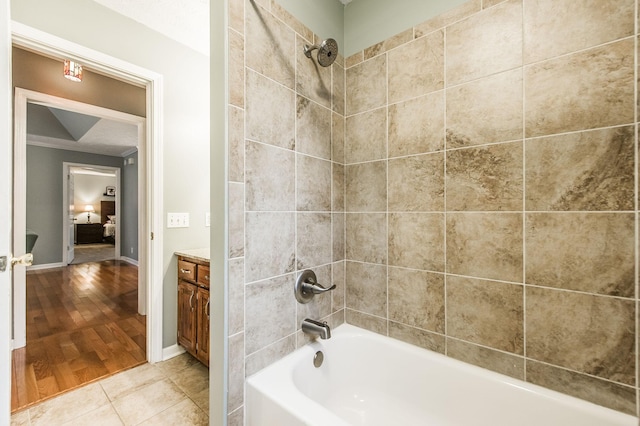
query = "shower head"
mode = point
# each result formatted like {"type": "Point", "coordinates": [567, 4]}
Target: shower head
{"type": "Point", "coordinates": [327, 51]}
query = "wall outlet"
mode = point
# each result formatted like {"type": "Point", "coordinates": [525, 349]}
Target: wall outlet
{"type": "Point", "coordinates": [177, 220]}
{"type": "Point", "coordinates": [207, 219]}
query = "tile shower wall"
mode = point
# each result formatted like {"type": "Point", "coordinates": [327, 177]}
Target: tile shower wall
{"type": "Point", "coordinates": [286, 187]}
{"type": "Point", "coordinates": [491, 210]}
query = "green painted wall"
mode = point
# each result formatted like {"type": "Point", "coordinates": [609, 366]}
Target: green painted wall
{"type": "Point", "coordinates": [367, 22]}
{"type": "Point", "coordinates": [323, 17]}
{"type": "Point", "coordinates": [363, 23]}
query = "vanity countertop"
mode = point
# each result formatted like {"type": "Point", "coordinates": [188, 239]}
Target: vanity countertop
{"type": "Point", "coordinates": [201, 254]}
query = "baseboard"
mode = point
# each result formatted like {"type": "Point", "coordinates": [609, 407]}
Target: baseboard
{"type": "Point", "coordinates": [46, 266]}
{"type": "Point", "coordinates": [129, 260]}
{"type": "Point", "coordinates": [172, 351]}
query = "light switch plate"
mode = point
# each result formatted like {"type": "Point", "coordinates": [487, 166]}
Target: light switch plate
{"type": "Point", "coordinates": [207, 219]}
{"type": "Point", "coordinates": [177, 220]}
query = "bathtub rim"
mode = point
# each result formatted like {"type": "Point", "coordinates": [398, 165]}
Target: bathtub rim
{"type": "Point", "coordinates": [270, 381]}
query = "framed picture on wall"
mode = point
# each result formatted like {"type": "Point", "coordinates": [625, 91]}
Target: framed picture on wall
{"type": "Point", "coordinates": [111, 191]}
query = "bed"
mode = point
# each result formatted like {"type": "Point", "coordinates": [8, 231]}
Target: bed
{"type": "Point", "coordinates": [108, 220]}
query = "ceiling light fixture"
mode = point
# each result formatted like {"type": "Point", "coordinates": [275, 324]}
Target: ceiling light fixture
{"type": "Point", "coordinates": [72, 70]}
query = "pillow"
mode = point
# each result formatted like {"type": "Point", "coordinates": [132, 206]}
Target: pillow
{"type": "Point", "coordinates": [112, 219]}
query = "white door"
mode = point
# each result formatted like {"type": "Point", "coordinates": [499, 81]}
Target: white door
{"type": "Point", "coordinates": [5, 212]}
{"type": "Point", "coordinates": [71, 215]}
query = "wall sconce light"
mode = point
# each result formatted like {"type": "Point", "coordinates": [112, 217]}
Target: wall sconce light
{"type": "Point", "coordinates": [72, 70]}
{"type": "Point", "coordinates": [89, 208]}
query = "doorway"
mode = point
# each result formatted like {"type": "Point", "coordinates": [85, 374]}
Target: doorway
{"type": "Point", "coordinates": [150, 171]}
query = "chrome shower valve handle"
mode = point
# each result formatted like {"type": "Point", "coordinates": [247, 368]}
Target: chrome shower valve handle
{"type": "Point", "coordinates": [307, 286]}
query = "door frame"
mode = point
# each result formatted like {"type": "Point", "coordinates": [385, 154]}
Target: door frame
{"type": "Point", "coordinates": [150, 163]}
{"type": "Point", "coordinates": [66, 170]}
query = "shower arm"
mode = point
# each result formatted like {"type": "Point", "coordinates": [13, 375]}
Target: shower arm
{"type": "Point", "coordinates": [308, 48]}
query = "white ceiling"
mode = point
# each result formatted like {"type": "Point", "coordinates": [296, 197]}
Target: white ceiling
{"type": "Point", "coordinates": [60, 129]}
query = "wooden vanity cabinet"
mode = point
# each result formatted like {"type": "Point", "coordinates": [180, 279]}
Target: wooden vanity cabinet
{"type": "Point", "coordinates": [194, 307]}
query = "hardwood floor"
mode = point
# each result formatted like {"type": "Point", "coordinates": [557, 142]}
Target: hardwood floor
{"type": "Point", "coordinates": [82, 325]}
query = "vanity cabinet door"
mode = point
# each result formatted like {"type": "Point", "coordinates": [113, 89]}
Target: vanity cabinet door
{"type": "Point", "coordinates": [187, 306]}
{"type": "Point", "coordinates": [204, 311]}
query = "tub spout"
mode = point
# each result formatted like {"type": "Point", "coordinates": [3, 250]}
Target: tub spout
{"type": "Point", "coordinates": [316, 328]}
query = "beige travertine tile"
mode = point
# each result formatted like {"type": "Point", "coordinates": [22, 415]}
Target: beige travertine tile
{"type": "Point", "coordinates": [192, 380]}
{"type": "Point", "coordinates": [312, 80]}
{"type": "Point", "coordinates": [236, 69]}
{"type": "Point", "coordinates": [337, 138]}
{"type": "Point", "coordinates": [485, 245]}
{"type": "Point", "coordinates": [500, 362]}
{"type": "Point", "coordinates": [313, 237]}
{"type": "Point", "coordinates": [258, 360]}
{"type": "Point", "coordinates": [236, 15]}
{"type": "Point", "coordinates": [556, 27]}
{"type": "Point", "coordinates": [269, 302]}
{"type": "Point", "coordinates": [416, 298]}
{"type": "Point", "coordinates": [21, 418]}
{"type": "Point", "coordinates": [337, 187]}
{"type": "Point", "coordinates": [366, 187]}
{"type": "Point", "coordinates": [366, 288]}
{"type": "Point", "coordinates": [177, 364]}
{"type": "Point", "coordinates": [485, 111]}
{"type": "Point", "coordinates": [269, 188]}
{"type": "Point", "coordinates": [591, 170]}
{"type": "Point", "coordinates": [236, 220]}
{"type": "Point", "coordinates": [582, 332]}
{"type": "Point", "coordinates": [338, 229]}
{"type": "Point", "coordinates": [336, 319]}
{"type": "Point", "coordinates": [313, 129]}
{"type": "Point", "coordinates": [354, 59]}
{"type": "Point", "coordinates": [449, 17]}
{"type": "Point", "coordinates": [415, 336]}
{"type": "Point", "coordinates": [236, 295]}
{"type": "Point", "coordinates": [271, 112]}
{"type": "Point", "coordinates": [608, 394]}
{"type": "Point", "coordinates": [490, 3]}
{"type": "Point", "coordinates": [585, 90]}
{"type": "Point", "coordinates": [270, 45]}
{"type": "Point", "coordinates": [367, 85]}
{"type": "Point", "coordinates": [366, 237]}
{"type": "Point", "coordinates": [338, 295]}
{"type": "Point", "coordinates": [416, 68]}
{"type": "Point", "coordinates": [388, 44]}
{"type": "Point", "coordinates": [129, 381]}
{"type": "Point", "coordinates": [366, 136]}
{"type": "Point", "coordinates": [416, 240]}
{"type": "Point", "coordinates": [485, 43]}
{"type": "Point", "coordinates": [269, 245]}
{"type": "Point", "coordinates": [416, 183]}
{"type": "Point", "coordinates": [320, 307]}
{"type": "Point", "coordinates": [313, 184]}
{"type": "Point", "coordinates": [485, 178]}
{"type": "Point", "coordinates": [338, 88]}
{"type": "Point", "coordinates": [284, 15]}
{"type": "Point", "coordinates": [486, 312]}
{"type": "Point", "coordinates": [366, 321]}
{"type": "Point", "coordinates": [148, 401]}
{"type": "Point", "coordinates": [103, 416]}
{"type": "Point", "coordinates": [417, 126]}
{"type": "Point", "coordinates": [236, 418]}
{"type": "Point", "coordinates": [236, 144]}
{"type": "Point", "coordinates": [69, 405]}
{"type": "Point", "coordinates": [236, 372]}
{"type": "Point", "coordinates": [591, 252]}
{"type": "Point", "coordinates": [183, 413]}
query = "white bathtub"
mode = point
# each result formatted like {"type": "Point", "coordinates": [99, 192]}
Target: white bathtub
{"type": "Point", "coordinates": [369, 379]}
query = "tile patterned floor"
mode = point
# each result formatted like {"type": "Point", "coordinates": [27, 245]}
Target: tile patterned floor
{"type": "Point", "coordinates": [173, 392]}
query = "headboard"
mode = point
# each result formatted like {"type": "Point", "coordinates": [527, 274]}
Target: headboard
{"type": "Point", "coordinates": [107, 208]}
